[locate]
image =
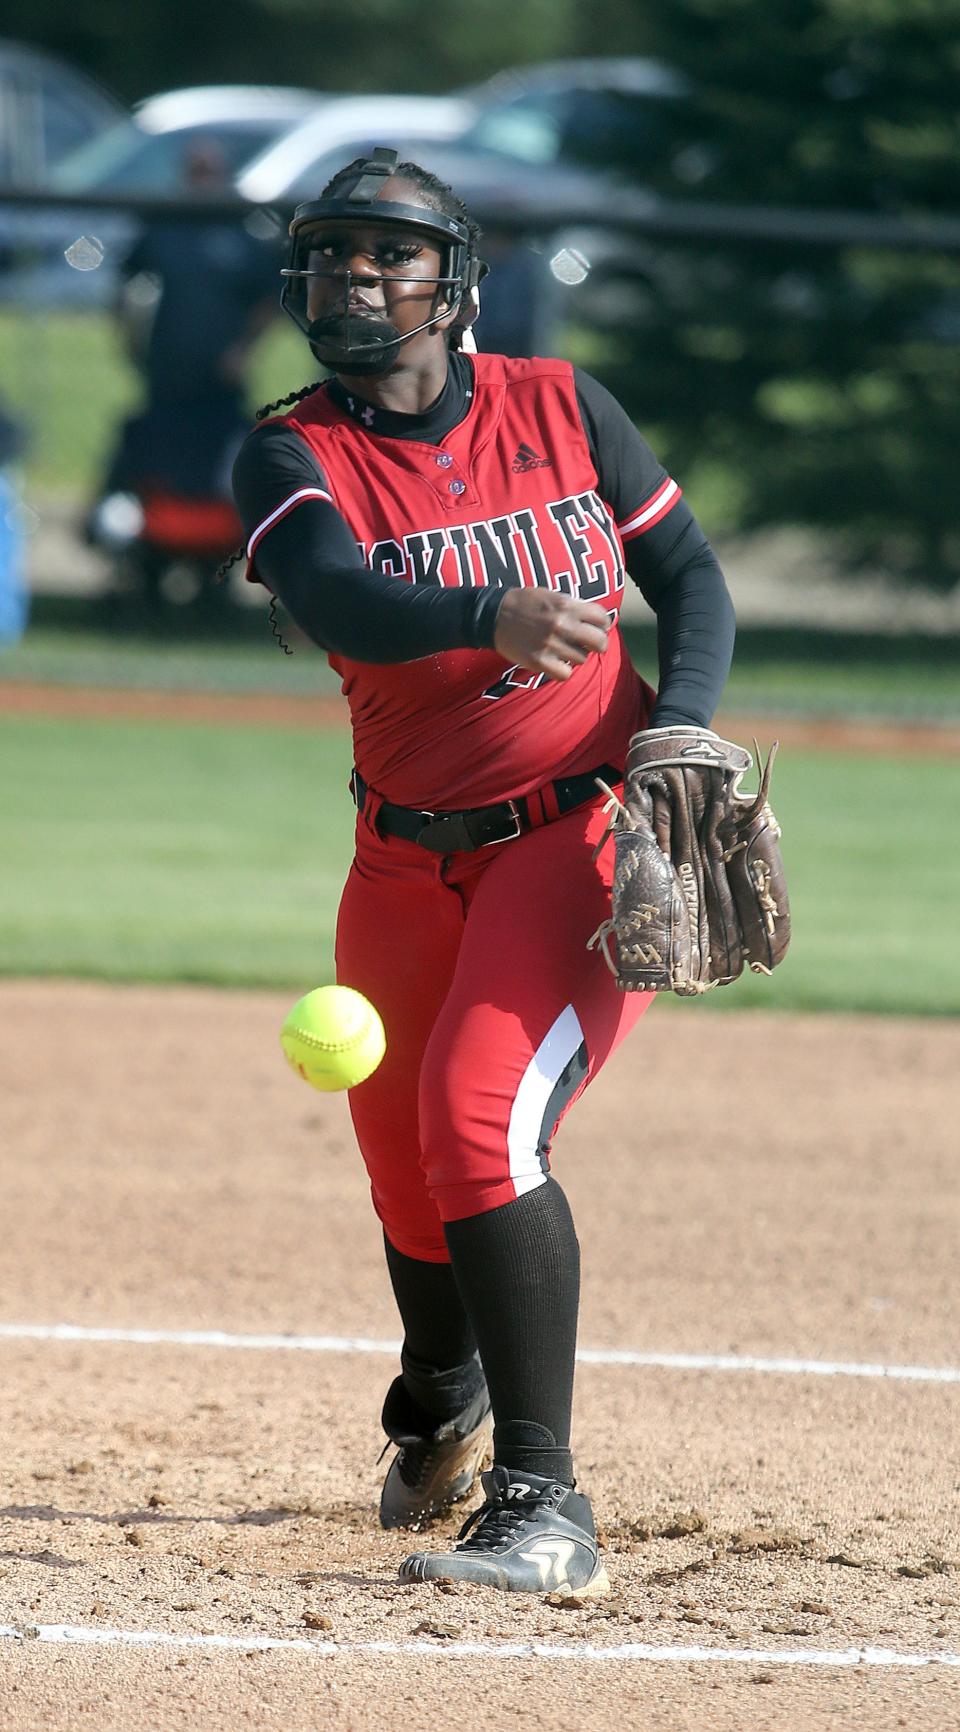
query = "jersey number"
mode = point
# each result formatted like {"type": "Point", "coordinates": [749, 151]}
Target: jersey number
{"type": "Point", "coordinates": [518, 679]}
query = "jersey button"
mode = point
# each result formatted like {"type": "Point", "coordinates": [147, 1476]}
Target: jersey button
{"type": "Point", "coordinates": [458, 487]}
{"type": "Point", "coordinates": [444, 460]}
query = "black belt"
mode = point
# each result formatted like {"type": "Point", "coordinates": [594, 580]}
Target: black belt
{"type": "Point", "coordinates": [480, 826]}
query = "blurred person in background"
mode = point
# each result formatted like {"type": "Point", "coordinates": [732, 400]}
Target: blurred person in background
{"type": "Point", "coordinates": [519, 309]}
{"type": "Point", "coordinates": [194, 298]}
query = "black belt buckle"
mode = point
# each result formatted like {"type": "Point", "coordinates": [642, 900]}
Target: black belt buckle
{"type": "Point", "coordinates": [508, 814]}
{"type": "Point", "coordinates": [464, 832]}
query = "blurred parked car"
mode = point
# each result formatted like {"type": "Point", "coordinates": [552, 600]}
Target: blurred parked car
{"type": "Point", "coordinates": [144, 153]}
{"type": "Point", "coordinates": [47, 109]}
{"type": "Point", "coordinates": [300, 163]}
{"type": "Point", "coordinates": [625, 119]}
{"type": "Point", "coordinates": [609, 137]}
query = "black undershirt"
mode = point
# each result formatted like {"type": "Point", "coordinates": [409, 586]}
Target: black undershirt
{"type": "Point", "coordinates": [309, 559]}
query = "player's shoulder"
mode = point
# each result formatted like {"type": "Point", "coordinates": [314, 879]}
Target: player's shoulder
{"type": "Point", "coordinates": [273, 454]}
{"type": "Point", "coordinates": [519, 371]}
{"type": "Point", "coordinates": [267, 441]}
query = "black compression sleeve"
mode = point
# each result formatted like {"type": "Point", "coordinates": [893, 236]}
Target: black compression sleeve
{"type": "Point", "coordinates": [628, 472]}
{"type": "Point", "coordinates": [677, 572]}
{"type": "Point", "coordinates": [352, 611]}
{"type": "Point", "coordinates": [695, 632]}
{"type": "Point", "coordinates": [672, 564]}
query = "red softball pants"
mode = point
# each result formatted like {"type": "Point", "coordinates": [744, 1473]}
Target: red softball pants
{"type": "Point", "coordinates": [496, 1014]}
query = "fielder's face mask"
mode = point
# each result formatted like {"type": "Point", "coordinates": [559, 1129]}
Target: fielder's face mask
{"type": "Point", "coordinates": [359, 344]}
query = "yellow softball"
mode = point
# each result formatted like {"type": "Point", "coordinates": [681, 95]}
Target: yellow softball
{"type": "Point", "coordinates": [333, 1038]}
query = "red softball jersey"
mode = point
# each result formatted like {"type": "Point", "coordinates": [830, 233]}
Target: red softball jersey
{"type": "Point", "coordinates": [509, 496]}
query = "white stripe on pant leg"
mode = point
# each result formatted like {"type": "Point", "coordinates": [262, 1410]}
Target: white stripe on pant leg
{"type": "Point", "coordinates": [560, 1044]}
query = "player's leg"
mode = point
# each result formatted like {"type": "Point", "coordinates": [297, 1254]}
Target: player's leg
{"type": "Point", "coordinates": [398, 935]}
{"type": "Point", "coordinates": [530, 1019]}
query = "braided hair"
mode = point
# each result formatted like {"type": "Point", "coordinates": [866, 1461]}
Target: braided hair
{"type": "Point", "coordinates": [437, 196]}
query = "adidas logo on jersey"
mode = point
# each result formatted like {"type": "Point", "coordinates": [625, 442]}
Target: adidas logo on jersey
{"type": "Point", "coordinates": [526, 459]}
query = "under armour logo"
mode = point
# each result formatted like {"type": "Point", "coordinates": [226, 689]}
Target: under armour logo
{"type": "Point", "coordinates": [526, 459]}
{"type": "Point", "coordinates": [368, 415]}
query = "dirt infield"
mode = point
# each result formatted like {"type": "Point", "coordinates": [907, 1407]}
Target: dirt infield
{"type": "Point", "coordinates": [268, 709]}
{"type": "Point", "coordinates": [781, 1542]}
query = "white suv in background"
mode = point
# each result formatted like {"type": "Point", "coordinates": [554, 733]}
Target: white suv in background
{"type": "Point", "coordinates": [298, 165]}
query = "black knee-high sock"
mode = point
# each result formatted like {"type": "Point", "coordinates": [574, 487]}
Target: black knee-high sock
{"type": "Point", "coordinates": [440, 1368]}
{"type": "Point", "coordinates": [518, 1269]}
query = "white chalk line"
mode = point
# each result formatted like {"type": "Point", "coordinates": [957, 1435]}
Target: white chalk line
{"type": "Point", "coordinates": [79, 1634]}
{"type": "Point", "coordinates": [731, 1362]}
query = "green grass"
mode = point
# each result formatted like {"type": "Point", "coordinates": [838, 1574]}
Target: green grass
{"type": "Point", "coordinates": [244, 658]}
{"type": "Point", "coordinates": [913, 689]}
{"type": "Point", "coordinates": [172, 853]}
{"type": "Point", "coordinates": [869, 845]}
{"type": "Point", "coordinates": [169, 852]}
{"type": "Point", "coordinates": [77, 642]}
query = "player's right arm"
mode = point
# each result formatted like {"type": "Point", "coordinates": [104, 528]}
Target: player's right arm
{"type": "Point", "coordinates": [301, 547]}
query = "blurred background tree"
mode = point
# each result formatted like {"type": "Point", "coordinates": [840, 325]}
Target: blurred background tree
{"type": "Point", "coordinates": [331, 45]}
{"type": "Point", "coordinates": [822, 384]}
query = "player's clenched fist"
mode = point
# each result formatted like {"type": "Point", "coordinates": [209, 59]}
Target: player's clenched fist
{"type": "Point", "coordinates": [547, 632]}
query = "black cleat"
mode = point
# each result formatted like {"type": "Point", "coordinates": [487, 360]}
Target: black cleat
{"type": "Point", "coordinates": [430, 1473]}
{"type": "Point", "coordinates": [532, 1536]}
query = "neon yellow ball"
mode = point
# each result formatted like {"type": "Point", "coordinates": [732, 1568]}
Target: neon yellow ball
{"type": "Point", "coordinates": [333, 1038]}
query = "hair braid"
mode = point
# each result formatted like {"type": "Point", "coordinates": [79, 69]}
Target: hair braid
{"type": "Point", "coordinates": [276, 629]}
{"type": "Point", "coordinates": [226, 564]}
{"type": "Point", "coordinates": [291, 397]}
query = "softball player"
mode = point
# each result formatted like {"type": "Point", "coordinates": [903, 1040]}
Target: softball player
{"type": "Point", "coordinates": [454, 530]}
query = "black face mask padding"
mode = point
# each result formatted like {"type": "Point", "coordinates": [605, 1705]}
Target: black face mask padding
{"type": "Point", "coordinates": [370, 178]}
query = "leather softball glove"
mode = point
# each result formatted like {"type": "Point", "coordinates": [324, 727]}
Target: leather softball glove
{"type": "Point", "coordinates": [698, 882]}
